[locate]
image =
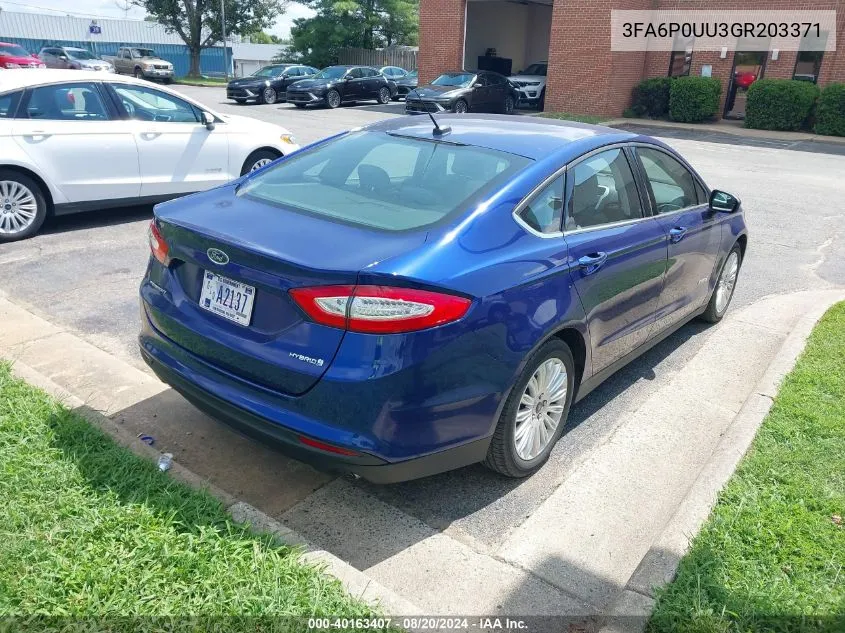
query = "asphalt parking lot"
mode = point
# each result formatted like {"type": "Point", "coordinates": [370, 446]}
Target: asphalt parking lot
{"type": "Point", "coordinates": [82, 272]}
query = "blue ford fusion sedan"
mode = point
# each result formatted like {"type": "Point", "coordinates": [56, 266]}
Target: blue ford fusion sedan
{"type": "Point", "coordinates": [405, 299]}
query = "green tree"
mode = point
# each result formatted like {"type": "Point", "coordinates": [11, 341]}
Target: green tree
{"type": "Point", "coordinates": [197, 22]}
{"type": "Point", "coordinates": [263, 37]}
{"type": "Point", "coordinates": [353, 23]}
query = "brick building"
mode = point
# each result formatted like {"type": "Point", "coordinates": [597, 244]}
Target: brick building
{"type": "Point", "coordinates": [584, 75]}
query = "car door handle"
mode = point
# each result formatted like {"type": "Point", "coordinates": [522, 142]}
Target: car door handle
{"type": "Point", "coordinates": [677, 233]}
{"type": "Point", "coordinates": [592, 262]}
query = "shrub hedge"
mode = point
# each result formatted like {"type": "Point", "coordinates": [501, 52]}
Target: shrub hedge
{"type": "Point", "coordinates": [694, 99]}
{"type": "Point", "coordinates": [780, 104]}
{"type": "Point", "coordinates": [650, 97]}
{"type": "Point", "coordinates": [830, 110]}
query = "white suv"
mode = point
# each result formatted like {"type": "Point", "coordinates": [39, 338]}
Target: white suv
{"type": "Point", "coordinates": [79, 140]}
{"type": "Point", "coordinates": [531, 84]}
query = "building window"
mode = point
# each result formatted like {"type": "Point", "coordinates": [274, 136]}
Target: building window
{"type": "Point", "coordinates": [681, 59]}
{"type": "Point", "coordinates": [809, 62]}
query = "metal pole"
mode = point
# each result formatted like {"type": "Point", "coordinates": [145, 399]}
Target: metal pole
{"type": "Point", "coordinates": [223, 29]}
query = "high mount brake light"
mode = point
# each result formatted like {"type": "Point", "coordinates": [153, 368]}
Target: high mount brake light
{"type": "Point", "coordinates": [159, 248]}
{"type": "Point", "coordinates": [379, 309]}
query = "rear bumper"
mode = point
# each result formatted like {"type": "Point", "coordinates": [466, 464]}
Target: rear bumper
{"type": "Point", "coordinates": [283, 421]}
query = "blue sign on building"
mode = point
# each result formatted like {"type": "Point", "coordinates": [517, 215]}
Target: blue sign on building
{"type": "Point", "coordinates": [94, 28]}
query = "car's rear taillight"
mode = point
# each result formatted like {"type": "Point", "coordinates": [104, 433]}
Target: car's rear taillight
{"type": "Point", "coordinates": [158, 246]}
{"type": "Point", "coordinates": [379, 309]}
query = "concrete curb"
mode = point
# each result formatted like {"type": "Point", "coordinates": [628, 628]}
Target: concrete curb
{"type": "Point", "coordinates": [356, 583]}
{"type": "Point", "coordinates": [660, 564]}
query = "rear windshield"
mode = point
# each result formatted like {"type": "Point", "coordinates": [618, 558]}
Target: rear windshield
{"type": "Point", "coordinates": [383, 181]}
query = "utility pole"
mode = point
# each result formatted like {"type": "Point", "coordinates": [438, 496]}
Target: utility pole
{"type": "Point", "coordinates": [223, 29]}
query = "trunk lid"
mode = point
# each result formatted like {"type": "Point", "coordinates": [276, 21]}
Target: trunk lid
{"type": "Point", "coordinates": [272, 250]}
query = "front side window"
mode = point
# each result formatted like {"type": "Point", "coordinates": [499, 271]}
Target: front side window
{"type": "Point", "coordinates": [604, 191]}
{"type": "Point", "coordinates": [66, 102]}
{"type": "Point", "coordinates": [144, 52]}
{"type": "Point", "coordinates": [148, 104]}
{"type": "Point", "coordinates": [672, 185]}
{"type": "Point", "coordinates": [79, 54]}
{"type": "Point", "coordinates": [544, 212]}
{"type": "Point", "coordinates": [386, 182]}
{"type": "Point", "coordinates": [9, 104]}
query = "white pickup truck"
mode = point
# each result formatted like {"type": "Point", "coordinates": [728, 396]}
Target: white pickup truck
{"type": "Point", "coordinates": [143, 63]}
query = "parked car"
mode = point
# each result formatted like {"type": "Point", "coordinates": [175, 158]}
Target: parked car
{"type": "Point", "coordinates": [744, 79]}
{"type": "Point", "coordinates": [68, 57]}
{"type": "Point", "coordinates": [531, 84]}
{"type": "Point", "coordinates": [14, 56]}
{"type": "Point", "coordinates": [335, 85]}
{"type": "Point", "coordinates": [496, 273]}
{"type": "Point", "coordinates": [406, 83]}
{"type": "Point", "coordinates": [141, 63]}
{"type": "Point", "coordinates": [74, 141]}
{"type": "Point", "coordinates": [464, 91]}
{"type": "Point", "coordinates": [268, 84]}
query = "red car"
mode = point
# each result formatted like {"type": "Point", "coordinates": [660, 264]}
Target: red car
{"type": "Point", "coordinates": [14, 56]}
{"type": "Point", "coordinates": [744, 79]}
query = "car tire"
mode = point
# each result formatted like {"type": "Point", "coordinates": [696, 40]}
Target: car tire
{"type": "Point", "coordinates": [332, 99]}
{"type": "Point", "coordinates": [460, 106]}
{"type": "Point", "coordinates": [22, 200]}
{"type": "Point", "coordinates": [258, 159]}
{"type": "Point", "coordinates": [541, 104]}
{"type": "Point", "coordinates": [723, 292]}
{"type": "Point", "coordinates": [509, 105]}
{"type": "Point", "coordinates": [269, 96]}
{"type": "Point", "coordinates": [383, 95]}
{"type": "Point", "coordinates": [138, 74]}
{"type": "Point", "coordinates": [240, 101]}
{"type": "Point", "coordinates": [168, 81]}
{"type": "Point", "coordinates": [301, 106]}
{"type": "Point", "coordinates": [505, 454]}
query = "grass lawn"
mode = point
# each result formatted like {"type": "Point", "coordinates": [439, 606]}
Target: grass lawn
{"type": "Point", "coordinates": [582, 118]}
{"type": "Point", "coordinates": [88, 529]}
{"type": "Point", "coordinates": [201, 81]}
{"type": "Point", "coordinates": [772, 555]}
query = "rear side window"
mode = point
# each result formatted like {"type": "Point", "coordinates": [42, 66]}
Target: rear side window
{"type": "Point", "coordinates": [66, 102]}
{"type": "Point", "coordinates": [545, 211]}
{"type": "Point", "coordinates": [672, 185]}
{"type": "Point", "coordinates": [382, 181]}
{"type": "Point", "coordinates": [9, 104]}
{"type": "Point", "coordinates": [604, 191]}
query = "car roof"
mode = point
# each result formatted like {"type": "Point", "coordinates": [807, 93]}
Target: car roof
{"type": "Point", "coordinates": [532, 137]}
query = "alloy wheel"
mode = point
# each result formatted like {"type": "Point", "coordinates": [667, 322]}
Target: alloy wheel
{"type": "Point", "coordinates": [18, 207]}
{"type": "Point", "coordinates": [540, 409]}
{"type": "Point", "coordinates": [269, 96]}
{"type": "Point", "coordinates": [727, 281]}
{"type": "Point", "coordinates": [509, 105]}
{"type": "Point", "coordinates": [384, 95]}
{"type": "Point", "coordinates": [260, 163]}
{"type": "Point", "coordinates": [334, 99]}
{"type": "Point", "coordinates": [461, 107]}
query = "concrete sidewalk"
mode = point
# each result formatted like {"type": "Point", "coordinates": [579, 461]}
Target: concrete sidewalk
{"type": "Point", "coordinates": [611, 530]}
{"type": "Point", "coordinates": [734, 128]}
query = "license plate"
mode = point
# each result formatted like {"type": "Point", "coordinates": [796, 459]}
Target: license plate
{"type": "Point", "coordinates": [227, 298]}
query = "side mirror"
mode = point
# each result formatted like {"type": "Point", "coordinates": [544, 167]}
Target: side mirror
{"type": "Point", "coordinates": [208, 121]}
{"type": "Point", "coordinates": [723, 202]}
{"type": "Point", "coordinates": [63, 57]}
{"type": "Point", "coordinates": [478, 84]}
{"type": "Point", "coordinates": [348, 78]}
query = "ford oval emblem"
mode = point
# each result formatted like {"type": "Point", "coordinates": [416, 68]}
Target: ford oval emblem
{"type": "Point", "coordinates": [217, 256]}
